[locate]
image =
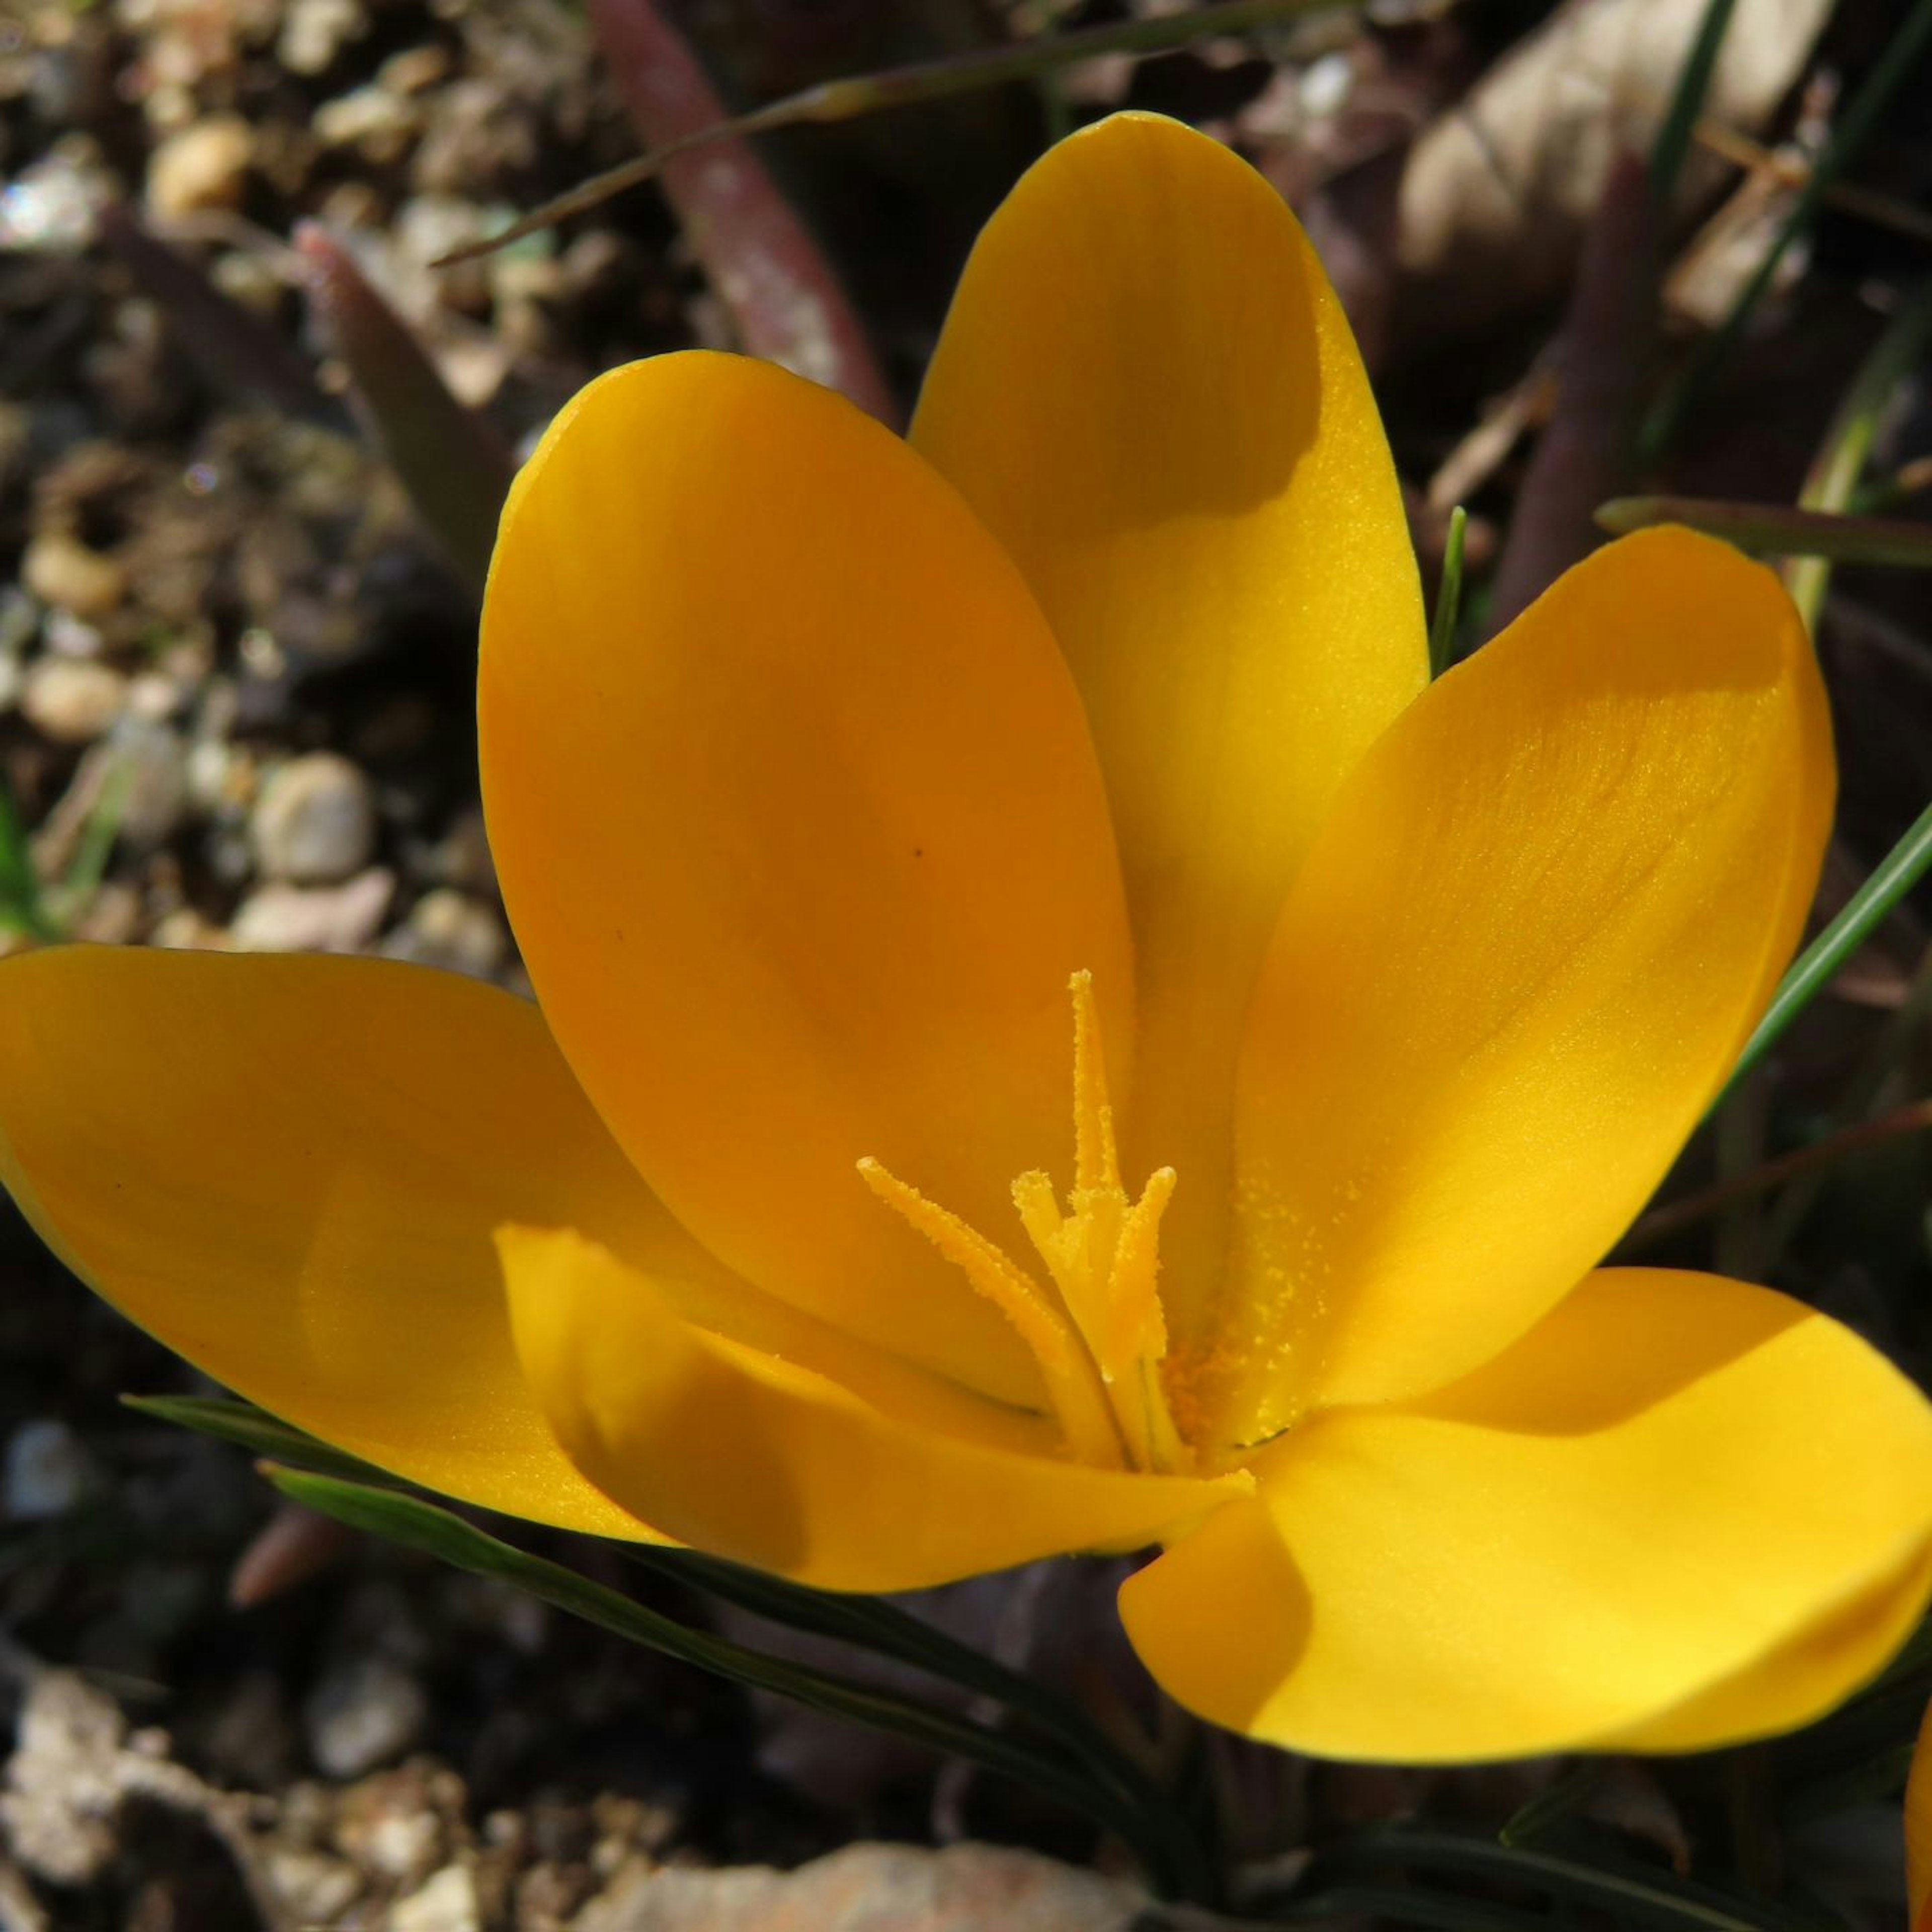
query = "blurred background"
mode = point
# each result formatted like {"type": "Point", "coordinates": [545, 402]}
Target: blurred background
{"type": "Point", "coordinates": [252, 441]}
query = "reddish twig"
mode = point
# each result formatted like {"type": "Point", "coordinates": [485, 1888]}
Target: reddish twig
{"type": "Point", "coordinates": [787, 302]}
{"type": "Point", "coordinates": [1602, 358]}
{"type": "Point", "coordinates": [1897, 1125]}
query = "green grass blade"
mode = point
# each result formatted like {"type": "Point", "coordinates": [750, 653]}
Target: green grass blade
{"type": "Point", "coordinates": [1815, 968]}
{"type": "Point", "coordinates": [1550, 1807]}
{"type": "Point", "coordinates": [1620, 1890]}
{"type": "Point", "coordinates": [847, 99]}
{"type": "Point", "coordinates": [1776, 530]}
{"type": "Point", "coordinates": [1860, 121]}
{"type": "Point", "coordinates": [883, 1629]}
{"type": "Point", "coordinates": [1449, 595]}
{"type": "Point", "coordinates": [252, 1429]}
{"type": "Point", "coordinates": [1839, 464]}
{"type": "Point", "coordinates": [1672, 147]}
{"type": "Point", "coordinates": [1405, 1905]}
{"type": "Point", "coordinates": [21, 906]}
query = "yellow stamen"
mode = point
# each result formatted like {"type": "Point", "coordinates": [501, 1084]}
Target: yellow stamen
{"type": "Point", "coordinates": [1069, 1372]}
{"type": "Point", "coordinates": [1099, 1344]}
{"type": "Point", "coordinates": [1095, 1164]}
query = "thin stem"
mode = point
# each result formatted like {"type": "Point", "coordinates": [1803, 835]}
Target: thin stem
{"type": "Point", "coordinates": [1872, 1081]}
{"type": "Point", "coordinates": [1606, 1889]}
{"type": "Point", "coordinates": [1840, 464]}
{"type": "Point", "coordinates": [1448, 594]}
{"type": "Point", "coordinates": [1777, 530]}
{"type": "Point", "coordinates": [846, 99]}
{"type": "Point", "coordinates": [1819, 964]}
{"type": "Point", "coordinates": [1687, 1213]}
{"type": "Point", "coordinates": [1672, 145]}
{"type": "Point", "coordinates": [869, 1624]}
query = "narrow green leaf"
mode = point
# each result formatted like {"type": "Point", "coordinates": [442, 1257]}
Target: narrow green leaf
{"type": "Point", "coordinates": [420, 1526]}
{"type": "Point", "coordinates": [252, 1429]}
{"type": "Point", "coordinates": [1833, 480]}
{"type": "Point", "coordinates": [1551, 1806]}
{"type": "Point", "coordinates": [1818, 965]}
{"type": "Point", "coordinates": [866, 1623]}
{"type": "Point", "coordinates": [95, 845]}
{"type": "Point", "coordinates": [1861, 119]}
{"type": "Point", "coordinates": [1614, 1885]}
{"type": "Point", "coordinates": [21, 906]}
{"type": "Point", "coordinates": [1404, 1905]}
{"type": "Point", "coordinates": [454, 466]}
{"type": "Point", "coordinates": [1671, 146]}
{"type": "Point", "coordinates": [1448, 594]}
{"type": "Point", "coordinates": [883, 1629]}
{"type": "Point", "coordinates": [1776, 530]}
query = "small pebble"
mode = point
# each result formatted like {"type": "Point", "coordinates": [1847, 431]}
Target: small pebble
{"type": "Point", "coordinates": [315, 821]}
{"type": "Point", "coordinates": [449, 931]}
{"type": "Point", "coordinates": [185, 930]}
{"type": "Point", "coordinates": [203, 167]}
{"type": "Point", "coordinates": [314, 32]}
{"type": "Point", "coordinates": [62, 571]}
{"type": "Point", "coordinates": [65, 636]}
{"type": "Point", "coordinates": [279, 918]}
{"type": "Point", "coordinates": [149, 771]}
{"type": "Point", "coordinates": [378, 125]}
{"type": "Point", "coordinates": [400, 1842]}
{"type": "Point", "coordinates": [446, 1904]}
{"type": "Point", "coordinates": [49, 1470]}
{"type": "Point", "coordinates": [72, 700]}
{"type": "Point", "coordinates": [112, 915]}
{"type": "Point", "coordinates": [363, 1714]}
{"type": "Point", "coordinates": [313, 1889]}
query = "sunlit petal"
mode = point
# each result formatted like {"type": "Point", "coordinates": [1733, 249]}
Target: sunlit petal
{"type": "Point", "coordinates": [753, 1457]}
{"type": "Point", "coordinates": [289, 1170]}
{"type": "Point", "coordinates": [1519, 963]}
{"type": "Point", "coordinates": [1679, 1511]}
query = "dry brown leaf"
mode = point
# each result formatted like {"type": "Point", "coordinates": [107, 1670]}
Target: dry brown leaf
{"type": "Point", "coordinates": [1499, 190]}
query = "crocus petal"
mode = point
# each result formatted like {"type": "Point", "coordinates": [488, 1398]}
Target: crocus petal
{"type": "Point", "coordinates": [1680, 1511]}
{"type": "Point", "coordinates": [1146, 389]}
{"type": "Point", "coordinates": [801, 830]}
{"type": "Point", "coordinates": [289, 1169]}
{"type": "Point", "coordinates": [1919, 1829]}
{"type": "Point", "coordinates": [1518, 964]}
{"type": "Point", "coordinates": [749, 1456]}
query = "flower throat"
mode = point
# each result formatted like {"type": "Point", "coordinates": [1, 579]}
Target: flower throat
{"type": "Point", "coordinates": [1098, 1333]}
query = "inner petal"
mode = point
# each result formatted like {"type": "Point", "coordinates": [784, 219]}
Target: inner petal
{"type": "Point", "coordinates": [799, 827]}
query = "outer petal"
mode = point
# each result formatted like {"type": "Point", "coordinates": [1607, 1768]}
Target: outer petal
{"type": "Point", "coordinates": [752, 1457]}
{"type": "Point", "coordinates": [800, 829]}
{"type": "Point", "coordinates": [289, 1169]}
{"type": "Point", "coordinates": [1518, 964]}
{"type": "Point", "coordinates": [1680, 1512]}
{"type": "Point", "coordinates": [1147, 390]}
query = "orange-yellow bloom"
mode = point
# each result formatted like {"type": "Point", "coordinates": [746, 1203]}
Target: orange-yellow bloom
{"type": "Point", "coordinates": [1051, 1038]}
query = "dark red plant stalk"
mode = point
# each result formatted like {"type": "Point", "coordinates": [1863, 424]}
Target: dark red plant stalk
{"type": "Point", "coordinates": [788, 302]}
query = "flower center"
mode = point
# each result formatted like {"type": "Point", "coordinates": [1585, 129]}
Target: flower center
{"type": "Point", "coordinates": [1097, 1331]}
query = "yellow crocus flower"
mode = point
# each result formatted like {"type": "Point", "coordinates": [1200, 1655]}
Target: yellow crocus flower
{"type": "Point", "coordinates": [1050, 1037]}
